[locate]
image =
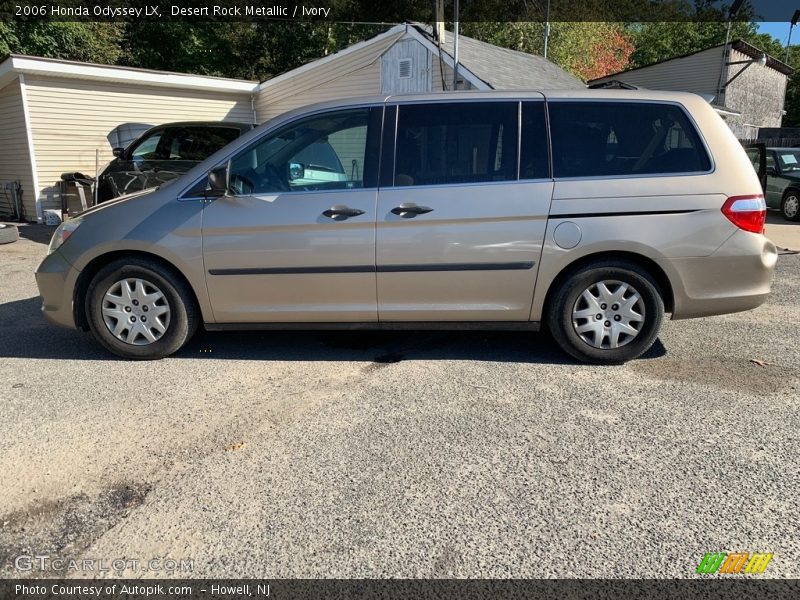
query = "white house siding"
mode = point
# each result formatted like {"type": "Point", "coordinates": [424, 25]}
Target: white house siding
{"type": "Point", "coordinates": [698, 73]}
{"type": "Point", "coordinates": [445, 72]}
{"type": "Point", "coordinates": [15, 162]}
{"type": "Point", "coordinates": [294, 94]}
{"type": "Point", "coordinates": [70, 120]}
{"type": "Point", "coordinates": [357, 73]}
{"type": "Point", "coordinates": [419, 60]}
{"type": "Point", "coordinates": [349, 146]}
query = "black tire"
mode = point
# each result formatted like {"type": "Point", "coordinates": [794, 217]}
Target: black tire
{"type": "Point", "coordinates": [795, 195]}
{"type": "Point", "coordinates": [8, 233]}
{"type": "Point", "coordinates": [560, 320]}
{"type": "Point", "coordinates": [184, 314]}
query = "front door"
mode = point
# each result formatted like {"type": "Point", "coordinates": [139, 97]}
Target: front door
{"type": "Point", "coordinates": [294, 240]}
{"type": "Point", "coordinates": [460, 220]}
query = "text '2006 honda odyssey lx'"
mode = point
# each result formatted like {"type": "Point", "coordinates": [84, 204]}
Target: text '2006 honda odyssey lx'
{"type": "Point", "coordinates": [591, 212]}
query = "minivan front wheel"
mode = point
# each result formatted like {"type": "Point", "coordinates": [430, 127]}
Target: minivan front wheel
{"type": "Point", "coordinates": [607, 312]}
{"type": "Point", "coordinates": [138, 309]}
{"type": "Point", "coordinates": [790, 206]}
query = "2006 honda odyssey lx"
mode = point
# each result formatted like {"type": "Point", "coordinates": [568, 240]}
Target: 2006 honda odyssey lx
{"type": "Point", "coordinates": [593, 212]}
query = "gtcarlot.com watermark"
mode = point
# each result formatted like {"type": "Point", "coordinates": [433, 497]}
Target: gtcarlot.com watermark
{"type": "Point", "coordinates": [57, 565]}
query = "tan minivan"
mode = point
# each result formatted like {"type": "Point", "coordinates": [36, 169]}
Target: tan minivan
{"type": "Point", "coordinates": [591, 212]}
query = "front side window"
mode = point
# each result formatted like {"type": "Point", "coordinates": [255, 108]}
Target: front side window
{"type": "Point", "coordinates": [623, 138]}
{"type": "Point", "coordinates": [323, 152]}
{"type": "Point", "coordinates": [465, 142]}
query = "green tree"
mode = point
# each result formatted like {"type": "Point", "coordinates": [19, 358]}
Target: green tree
{"type": "Point", "coordinates": [585, 49]}
{"type": "Point", "coordinates": [8, 39]}
{"type": "Point", "coordinates": [90, 42]}
{"type": "Point", "coordinates": [256, 50]}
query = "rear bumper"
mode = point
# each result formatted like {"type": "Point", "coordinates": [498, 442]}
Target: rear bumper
{"type": "Point", "coordinates": [735, 278]}
{"type": "Point", "coordinates": [56, 280]}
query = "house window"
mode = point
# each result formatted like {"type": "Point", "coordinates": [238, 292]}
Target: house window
{"type": "Point", "coordinates": [404, 68]}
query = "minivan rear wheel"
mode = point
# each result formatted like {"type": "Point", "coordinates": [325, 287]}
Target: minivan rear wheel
{"type": "Point", "coordinates": [790, 206]}
{"type": "Point", "coordinates": [139, 309]}
{"type": "Point", "coordinates": [606, 312]}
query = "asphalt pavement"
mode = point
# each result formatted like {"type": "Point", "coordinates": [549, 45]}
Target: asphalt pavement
{"type": "Point", "coordinates": [400, 454]}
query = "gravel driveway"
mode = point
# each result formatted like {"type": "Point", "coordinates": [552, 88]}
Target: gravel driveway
{"type": "Point", "coordinates": [401, 454]}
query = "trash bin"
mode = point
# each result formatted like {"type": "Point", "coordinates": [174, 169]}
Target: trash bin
{"type": "Point", "coordinates": [77, 193]}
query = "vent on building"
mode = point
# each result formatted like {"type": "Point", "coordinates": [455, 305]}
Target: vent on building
{"type": "Point", "coordinates": [404, 68]}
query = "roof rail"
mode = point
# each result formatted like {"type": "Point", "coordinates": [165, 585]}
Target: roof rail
{"type": "Point", "coordinates": [613, 84]}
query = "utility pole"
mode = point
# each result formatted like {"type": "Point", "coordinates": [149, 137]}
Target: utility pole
{"type": "Point", "coordinates": [546, 27]}
{"type": "Point", "coordinates": [734, 9]}
{"type": "Point", "coordinates": [795, 18]}
{"type": "Point", "coordinates": [439, 15]}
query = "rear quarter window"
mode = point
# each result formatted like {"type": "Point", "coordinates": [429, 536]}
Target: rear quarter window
{"type": "Point", "coordinates": [595, 139]}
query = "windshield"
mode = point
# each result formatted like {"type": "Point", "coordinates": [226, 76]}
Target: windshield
{"type": "Point", "coordinates": [194, 143]}
{"type": "Point", "coordinates": [788, 160]}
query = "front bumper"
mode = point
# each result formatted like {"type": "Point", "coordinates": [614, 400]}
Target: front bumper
{"type": "Point", "coordinates": [56, 280]}
{"type": "Point", "coordinates": [736, 277]}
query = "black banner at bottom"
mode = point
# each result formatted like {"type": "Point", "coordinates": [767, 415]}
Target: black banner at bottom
{"type": "Point", "coordinates": [390, 589]}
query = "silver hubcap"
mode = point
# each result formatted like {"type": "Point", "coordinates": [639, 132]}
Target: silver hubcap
{"type": "Point", "coordinates": [791, 206]}
{"type": "Point", "coordinates": [608, 314]}
{"type": "Point", "coordinates": [136, 312]}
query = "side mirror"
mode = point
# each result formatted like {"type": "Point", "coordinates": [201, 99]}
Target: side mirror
{"type": "Point", "coordinates": [217, 182]}
{"type": "Point", "coordinates": [118, 152]}
{"type": "Point", "coordinates": [296, 171]}
{"type": "Point", "coordinates": [771, 171]}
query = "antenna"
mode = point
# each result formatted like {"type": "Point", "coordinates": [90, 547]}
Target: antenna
{"type": "Point", "coordinates": [455, 45]}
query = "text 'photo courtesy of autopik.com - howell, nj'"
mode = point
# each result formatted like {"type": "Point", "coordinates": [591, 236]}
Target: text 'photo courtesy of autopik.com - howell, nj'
{"type": "Point", "coordinates": [438, 299]}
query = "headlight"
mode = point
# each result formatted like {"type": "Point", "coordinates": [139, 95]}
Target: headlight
{"type": "Point", "coordinates": [62, 232]}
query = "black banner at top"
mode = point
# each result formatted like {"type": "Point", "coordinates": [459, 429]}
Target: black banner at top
{"type": "Point", "coordinates": [398, 11]}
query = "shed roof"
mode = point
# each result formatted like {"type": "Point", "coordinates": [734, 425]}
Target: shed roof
{"type": "Point", "coordinates": [13, 64]}
{"type": "Point", "coordinates": [740, 45]}
{"type": "Point", "coordinates": [504, 69]}
{"type": "Point", "coordinates": [485, 65]}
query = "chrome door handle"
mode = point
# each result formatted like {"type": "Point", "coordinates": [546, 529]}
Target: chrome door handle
{"type": "Point", "coordinates": [341, 212]}
{"type": "Point", "coordinates": [408, 210]}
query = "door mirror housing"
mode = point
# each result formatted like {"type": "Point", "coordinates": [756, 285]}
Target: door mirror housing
{"type": "Point", "coordinates": [296, 171]}
{"type": "Point", "coordinates": [118, 152]}
{"type": "Point", "coordinates": [217, 182]}
{"type": "Point", "coordinates": [771, 171]}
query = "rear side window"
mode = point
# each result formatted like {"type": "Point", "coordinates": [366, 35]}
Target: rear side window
{"type": "Point", "coordinates": [463, 142]}
{"type": "Point", "coordinates": [623, 138]}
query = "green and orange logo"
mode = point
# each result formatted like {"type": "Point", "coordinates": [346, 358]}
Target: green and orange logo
{"type": "Point", "coordinates": [734, 562]}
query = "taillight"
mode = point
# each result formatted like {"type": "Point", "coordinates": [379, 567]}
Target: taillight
{"type": "Point", "coordinates": [746, 212]}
